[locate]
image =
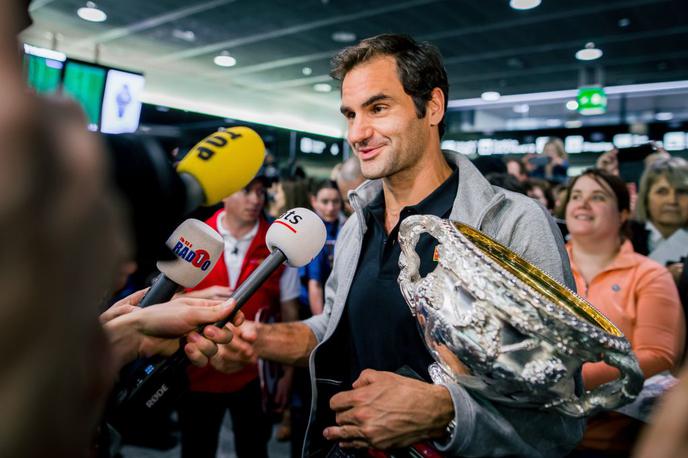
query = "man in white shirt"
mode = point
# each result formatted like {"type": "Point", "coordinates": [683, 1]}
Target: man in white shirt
{"type": "Point", "coordinates": [243, 226]}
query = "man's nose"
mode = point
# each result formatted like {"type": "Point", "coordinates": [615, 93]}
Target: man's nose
{"type": "Point", "coordinates": [359, 131]}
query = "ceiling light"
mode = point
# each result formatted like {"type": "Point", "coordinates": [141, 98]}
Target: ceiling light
{"type": "Point", "coordinates": [553, 122]}
{"type": "Point", "coordinates": [664, 116]}
{"type": "Point", "coordinates": [186, 35]}
{"type": "Point", "coordinates": [307, 71]}
{"type": "Point", "coordinates": [524, 4]}
{"type": "Point", "coordinates": [589, 52]}
{"type": "Point", "coordinates": [343, 37]}
{"type": "Point", "coordinates": [571, 105]}
{"type": "Point", "coordinates": [490, 96]}
{"type": "Point", "coordinates": [224, 60]}
{"type": "Point", "coordinates": [91, 13]}
{"type": "Point", "coordinates": [575, 124]}
{"type": "Point", "coordinates": [322, 87]}
{"type": "Point", "coordinates": [624, 22]}
{"type": "Point", "coordinates": [521, 108]}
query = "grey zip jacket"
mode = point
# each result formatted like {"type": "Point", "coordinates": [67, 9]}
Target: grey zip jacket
{"type": "Point", "coordinates": [483, 428]}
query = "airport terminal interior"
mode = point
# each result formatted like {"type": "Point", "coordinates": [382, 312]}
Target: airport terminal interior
{"type": "Point", "coordinates": [539, 93]}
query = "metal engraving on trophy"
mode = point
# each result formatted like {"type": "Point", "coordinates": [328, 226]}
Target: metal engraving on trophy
{"type": "Point", "coordinates": [498, 325]}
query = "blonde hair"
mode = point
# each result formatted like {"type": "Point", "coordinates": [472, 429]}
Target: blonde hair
{"type": "Point", "coordinates": [558, 146]}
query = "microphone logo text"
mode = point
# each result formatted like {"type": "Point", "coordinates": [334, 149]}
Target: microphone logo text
{"type": "Point", "coordinates": [292, 216]}
{"type": "Point", "coordinates": [206, 150]}
{"type": "Point", "coordinates": [199, 258]}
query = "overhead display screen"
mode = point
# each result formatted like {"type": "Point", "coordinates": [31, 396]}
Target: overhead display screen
{"type": "Point", "coordinates": [122, 102]}
{"type": "Point", "coordinates": [42, 74]}
{"type": "Point", "coordinates": [85, 83]}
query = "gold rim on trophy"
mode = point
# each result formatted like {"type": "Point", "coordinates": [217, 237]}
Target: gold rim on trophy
{"type": "Point", "coordinates": [504, 328]}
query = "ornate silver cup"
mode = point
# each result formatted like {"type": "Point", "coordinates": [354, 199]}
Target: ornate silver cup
{"type": "Point", "coordinates": [504, 328]}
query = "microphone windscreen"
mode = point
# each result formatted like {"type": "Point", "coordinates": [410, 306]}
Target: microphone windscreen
{"type": "Point", "coordinates": [299, 234]}
{"type": "Point", "coordinates": [197, 248]}
{"type": "Point", "coordinates": [224, 162]}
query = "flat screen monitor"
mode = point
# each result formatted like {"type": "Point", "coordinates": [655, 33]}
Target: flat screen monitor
{"type": "Point", "coordinates": [43, 69]}
{"type": "Point", "coordinates": [85, 83]}
{"type": "Point", "coordinates": [122, 102]}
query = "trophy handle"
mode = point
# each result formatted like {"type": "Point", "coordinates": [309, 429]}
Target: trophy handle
{"type": "Point", "coordinates": [612, 394]}
{"type": "Point", "coordinates": [409, 261]}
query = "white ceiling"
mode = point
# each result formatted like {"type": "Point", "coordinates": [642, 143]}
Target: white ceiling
{"type": "Point", "coordinates": [486, 44]}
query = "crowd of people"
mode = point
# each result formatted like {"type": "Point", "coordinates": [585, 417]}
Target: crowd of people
{"type": "Point", "coordinates": [354, 368]}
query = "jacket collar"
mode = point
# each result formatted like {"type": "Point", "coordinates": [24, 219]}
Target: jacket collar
{"type": "Point", "coordinates": [476, 194]}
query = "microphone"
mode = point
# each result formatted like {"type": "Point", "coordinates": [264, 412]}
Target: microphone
{"type": "Point", "coordinates": [295, 237]}
{"type": "Point", "coordinates": [159, 196]}
{"type": "Point", "coordinates": [220, 165]}
{"type": "Point", "coordinates": [197, 248]}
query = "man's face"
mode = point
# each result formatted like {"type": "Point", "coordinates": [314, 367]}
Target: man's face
{"type": "Point", "coordinates": [245, 206]}
{"type": "Point", "coordinates": [383, 128]}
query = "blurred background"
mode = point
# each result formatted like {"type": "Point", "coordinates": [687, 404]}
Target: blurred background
{"type": "Point", "coordinates": [595, 74]}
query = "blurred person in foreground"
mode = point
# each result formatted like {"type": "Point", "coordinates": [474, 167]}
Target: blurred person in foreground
{"type": "Point", "coordinates": [394, 97]}
{"type": "Point", "coordinates": [634, 292]}
{"type": "Point", "coordinates": [65, 236]}
{"type": "Point", "coordinates": [667, 435]}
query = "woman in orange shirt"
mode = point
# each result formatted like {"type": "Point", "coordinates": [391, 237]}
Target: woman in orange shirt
{"type": "Point", "coordinates": [637, 294]}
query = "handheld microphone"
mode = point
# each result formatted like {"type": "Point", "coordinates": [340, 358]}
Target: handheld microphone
{"type": "Point", "coordinates": [220, 165]}
{"type": "Point", "coordinates": [197, 248]}
{"type": "Point", "coordinates": [295, 237]}
{"type": "Point", "coordinates": [159, 196]}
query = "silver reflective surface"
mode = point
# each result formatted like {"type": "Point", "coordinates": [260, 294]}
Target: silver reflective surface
{"type": "Point", "coordinates": [500, 326]}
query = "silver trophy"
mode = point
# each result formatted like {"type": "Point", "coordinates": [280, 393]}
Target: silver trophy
{"type": "Point", "coordinates": [505, 329]}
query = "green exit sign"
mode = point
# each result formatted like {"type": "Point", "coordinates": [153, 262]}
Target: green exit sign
{"type": "Point", "coordinates": [592, 101]}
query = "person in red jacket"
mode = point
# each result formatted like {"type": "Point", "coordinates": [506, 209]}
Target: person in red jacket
{"type": "Point", "coordinates": [243, 226]}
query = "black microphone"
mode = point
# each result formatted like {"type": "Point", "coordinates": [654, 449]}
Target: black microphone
{"type": "Point", "coordinates": [160, 196]}
{"type": "Point", "coordinates": [295, 237]}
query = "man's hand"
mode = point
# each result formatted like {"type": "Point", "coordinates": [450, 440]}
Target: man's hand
{"type": "Point", "coordinates": [238, 353]}
{"type": "Point", "coordinates": [157, 329]}
{"type": "Point", "coordinates": [385, 410]}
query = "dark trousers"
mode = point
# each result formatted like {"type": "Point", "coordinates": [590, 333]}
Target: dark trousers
{"type": "Point", "coordinates": [200, 419]}
{"type": "Point", "coordinates": [300, 409]}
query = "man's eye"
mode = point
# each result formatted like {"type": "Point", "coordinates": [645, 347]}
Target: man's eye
{"type": "Point", "coordinates": [378, 108]}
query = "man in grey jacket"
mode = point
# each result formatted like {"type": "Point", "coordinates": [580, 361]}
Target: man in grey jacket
{"type": "Point", "coordinates": [367, 360]}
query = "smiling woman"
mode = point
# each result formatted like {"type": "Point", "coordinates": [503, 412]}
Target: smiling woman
{"type": "Point", "coordinates": [663, 208]}
{"type": "Point", "coordinates": [637, 294]}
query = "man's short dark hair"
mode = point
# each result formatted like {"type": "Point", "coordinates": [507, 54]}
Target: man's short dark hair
{"type": "Point", "coordinates": [419, 66]}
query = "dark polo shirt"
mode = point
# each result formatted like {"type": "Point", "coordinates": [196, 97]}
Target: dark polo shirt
{"type": "Point", "coordinates": [384, 334]}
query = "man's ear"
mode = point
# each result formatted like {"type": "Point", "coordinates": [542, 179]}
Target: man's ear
{"type": "Point", "coordinates": [435, 107]}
